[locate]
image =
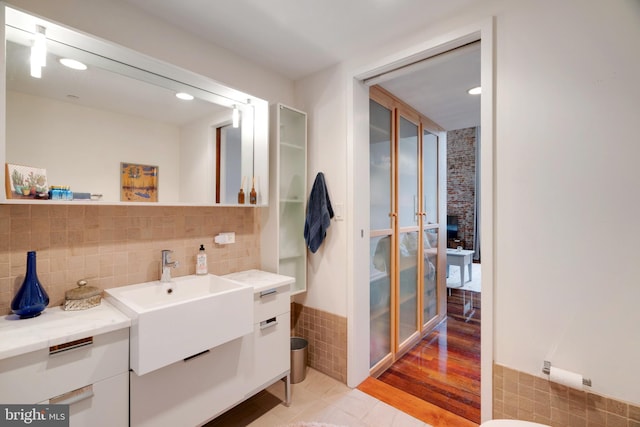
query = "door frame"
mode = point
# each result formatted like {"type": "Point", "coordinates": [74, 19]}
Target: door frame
{"type": "Point", "coordinates": [357, 109]}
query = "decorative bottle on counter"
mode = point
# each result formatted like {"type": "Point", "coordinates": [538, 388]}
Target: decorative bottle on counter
{"type": "Point", "coordinates": [253, 196]}
{"type": "Point", "coordinates": [241, 192]}
{"type": "Point", "coordinates": [31, 299]}
{"type": "Point", "coordinates": [201, 262]}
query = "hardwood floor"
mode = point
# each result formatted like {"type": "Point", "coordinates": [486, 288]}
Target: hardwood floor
{"type": "Point", "coordinates": [441, 371]}
{"type": "Point", "coordinates": [412, 405]}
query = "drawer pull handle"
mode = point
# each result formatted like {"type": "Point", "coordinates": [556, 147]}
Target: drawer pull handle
{"type": "Point", "coordinates": [73, 396]}
{"type": "Point", "coordinates": [268, 323]}
{"type": "Point", "coordinates": [70, 345]}
{"type": "Point", "coordinates": [195, 355]}
{"type": "Point", "coordinates": [267, 292]}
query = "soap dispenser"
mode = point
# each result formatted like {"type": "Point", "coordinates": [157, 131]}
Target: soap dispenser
{"type": "Point", "coordinates": [201, 262]}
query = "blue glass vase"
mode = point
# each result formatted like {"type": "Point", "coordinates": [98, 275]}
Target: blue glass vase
{"type": "Point", "coordinates": [31, 299]}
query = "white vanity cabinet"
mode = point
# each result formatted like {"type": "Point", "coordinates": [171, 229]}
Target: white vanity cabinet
{"type": "Point", "coordinates": [87, 370]}
{"type": "Point", "coordinates": [271, 333]}
{"type": "Point", "coordinates": [192, 391]}
{"type": "Point", "coordinates": [199, 388]}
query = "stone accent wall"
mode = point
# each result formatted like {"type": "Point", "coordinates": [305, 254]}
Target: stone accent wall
{"type": "Point", "coordinates": [461, 181]}
{"type": "Point", "coordinates": [327, 337]}
{"type": "Point", "coordinates": [521, 396]}
{"type": "Point", "coordinates": [117, 245]}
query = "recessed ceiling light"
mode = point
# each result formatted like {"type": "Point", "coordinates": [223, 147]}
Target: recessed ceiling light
{"type": "Point", "coordinates": [73, 64]}
{"type": "Point", "coordinates": [184, 96]}
{"type": "Point", "coordinates": [475, 90]}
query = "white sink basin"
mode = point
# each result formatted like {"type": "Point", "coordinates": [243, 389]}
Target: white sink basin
{"type": "Point", "coordinates": [176, 320]}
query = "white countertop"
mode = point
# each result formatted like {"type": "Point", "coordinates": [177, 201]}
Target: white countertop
{"type": "Point", "coordinates": [260, 280]}
{"type": "Point", "coordinates": [56, 326]}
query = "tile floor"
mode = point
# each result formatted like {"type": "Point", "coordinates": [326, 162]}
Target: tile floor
{"type": "Point", "coordinates": [319, 399]}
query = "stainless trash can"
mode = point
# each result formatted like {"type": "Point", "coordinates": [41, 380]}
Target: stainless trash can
{"type": "Point", "coordinates": [299, 354]}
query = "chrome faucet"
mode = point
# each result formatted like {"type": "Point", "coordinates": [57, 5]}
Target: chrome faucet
{"type": "Point", "coordinates": [165, 267]}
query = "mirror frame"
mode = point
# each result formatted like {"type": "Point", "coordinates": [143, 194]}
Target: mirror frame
{"type": "Point", "coordinates": [224, 95]}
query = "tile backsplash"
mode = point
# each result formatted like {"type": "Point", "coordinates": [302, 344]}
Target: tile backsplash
{"type": "Point", "coordinates": [114, 246]}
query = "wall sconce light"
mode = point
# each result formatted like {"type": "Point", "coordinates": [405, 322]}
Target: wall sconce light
{"type": "Point", "coordinates": [235, 117]}
{"type": "Point", "coordinates": [39, 52]}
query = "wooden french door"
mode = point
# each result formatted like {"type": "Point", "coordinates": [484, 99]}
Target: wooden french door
{"type": "Point", "coordinates": [407, 242]}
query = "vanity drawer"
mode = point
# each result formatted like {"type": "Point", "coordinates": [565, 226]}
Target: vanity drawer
{"type": "Point", "coordinates": [41, 374]}
{"type": "Point", "coordinates": [102, 404]}
{"type": "Point", "coordinates": [271, 348]}
{"type": "Point", "coordinates": [271, 302]}
{"type": "Point", "coordinates": [191, 392]}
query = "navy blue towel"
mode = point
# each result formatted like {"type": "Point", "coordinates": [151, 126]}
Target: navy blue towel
{"type": "Point", "coordinates": [319, 214]}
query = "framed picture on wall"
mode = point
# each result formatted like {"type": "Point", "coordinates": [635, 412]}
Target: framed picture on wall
{"type": "Point", "coordinates": [138, 183]}
{"type": "Point", "coordinates": [25, 182]}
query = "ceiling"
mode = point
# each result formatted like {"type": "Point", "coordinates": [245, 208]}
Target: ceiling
{"type": "Point", "coordinates": [299, 37]}
{"type": "Point", "coordinates": [437, 87]}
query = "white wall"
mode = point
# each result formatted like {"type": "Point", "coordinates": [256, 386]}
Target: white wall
{"type": "Point", "coordinates": [566, 202]}
{"type": "Point", "coordinates": [567, 103]}
{"type": "Point", "coordinates": [326, 268]}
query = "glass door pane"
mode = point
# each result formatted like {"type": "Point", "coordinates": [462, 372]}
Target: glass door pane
{"type": "Point", "coordinates": [408, 292]}
{"type": "Point", "coordinates": [380, 298]}
{"type": "Point", "coordinates": [430, 176]}
{"type": "Point", "coordinates": [430, 295]}
{"type": "Point", "coordinates": [380, 166]}
{"type": "Point", "coordinates": [407, 174]}
{"type": "Point", "coordinates": [430, 230]}
{"type": "Point", "coordinates": [380, 280]}
{"type": "Point", "coordinates": [408, 235]}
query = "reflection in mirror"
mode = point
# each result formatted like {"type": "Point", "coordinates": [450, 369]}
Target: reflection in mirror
{"type": "Point", "coordinates": [79, 125]}
{"type": "Point", "coordinates": [229, 169]}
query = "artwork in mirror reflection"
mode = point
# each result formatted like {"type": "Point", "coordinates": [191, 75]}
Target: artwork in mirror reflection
{"type": "Point", "coordinates": [81, 124]}
{"type": "Point", "coordinates": [25, 182]}
{"type": "Point", "coordinates": [139, 183]}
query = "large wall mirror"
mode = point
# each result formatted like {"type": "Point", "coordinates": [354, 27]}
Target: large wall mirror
{"type": "Point", "coordinates": [116, 132]}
